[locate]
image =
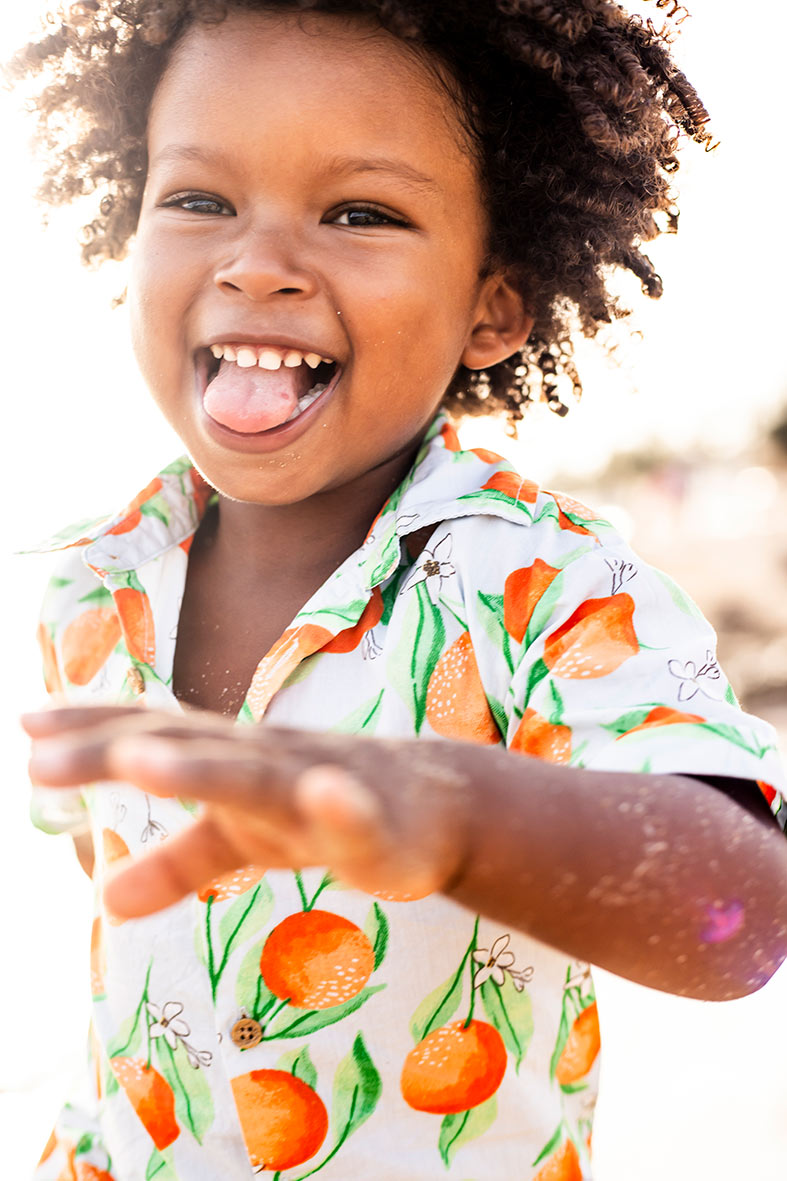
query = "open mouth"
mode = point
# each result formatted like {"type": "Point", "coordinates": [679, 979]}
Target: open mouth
{"type": "Point", "coordinates": [252, 389]}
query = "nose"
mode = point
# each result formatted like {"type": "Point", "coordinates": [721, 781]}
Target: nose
{"type": "Point", "coordinates": [265, 264]}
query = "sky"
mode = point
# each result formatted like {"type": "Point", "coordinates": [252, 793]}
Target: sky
{"type": "Point", "coordinates": [80, 437]}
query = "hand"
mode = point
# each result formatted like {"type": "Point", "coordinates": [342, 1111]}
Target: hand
{"type": "Point", "coordinates": [387, 816]}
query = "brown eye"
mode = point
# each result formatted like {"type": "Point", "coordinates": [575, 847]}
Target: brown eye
{"type": "Point", "coordinates": [365, 216]}
{"type": "Point", "coordinates": [197, 203]}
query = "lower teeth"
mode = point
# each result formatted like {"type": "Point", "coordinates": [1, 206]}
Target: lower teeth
{"type": "Point", "coordinates": [306, 400]}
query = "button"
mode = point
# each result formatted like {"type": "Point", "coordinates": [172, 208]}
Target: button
{"type": "Point", "coordinates": [135, 680]}
{"type": "Point", "coordinates": [246, 1033]}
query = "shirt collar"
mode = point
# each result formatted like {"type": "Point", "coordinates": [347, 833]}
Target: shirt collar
{"type": "Point", "coordinates": [444, 483]}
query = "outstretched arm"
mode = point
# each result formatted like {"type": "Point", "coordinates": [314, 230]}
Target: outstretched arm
{"type": "Point", "coordinates": [660, 879]}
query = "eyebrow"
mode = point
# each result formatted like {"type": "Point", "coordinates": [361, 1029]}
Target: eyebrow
{"type": "Point", "coordinates": [336, 165]}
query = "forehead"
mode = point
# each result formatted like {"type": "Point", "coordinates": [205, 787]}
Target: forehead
{"type": "Point", "coordinates": [329, 76]}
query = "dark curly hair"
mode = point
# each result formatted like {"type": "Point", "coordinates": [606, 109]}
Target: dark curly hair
{"type": "Point", "coordinates": [575, 109]}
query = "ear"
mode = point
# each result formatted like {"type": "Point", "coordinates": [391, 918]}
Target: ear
{"type": "Point", "coordinates": [501, 324]}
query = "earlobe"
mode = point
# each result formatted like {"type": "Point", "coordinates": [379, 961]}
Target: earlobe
{"type": "Point", "coordinates": [502, 325]}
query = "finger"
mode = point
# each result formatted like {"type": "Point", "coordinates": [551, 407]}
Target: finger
{"type": "Point", "coordinates": [45, 722]}
{"type": "Point", "coordinates": [89, 753]}
{"type": "Point", "coordinates": [177, 866]}
{"type": "Point", "coordinates": [206, 769]}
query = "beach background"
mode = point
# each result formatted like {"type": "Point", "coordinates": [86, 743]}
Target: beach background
{"type": "Point", "coordinates": [682, 441]}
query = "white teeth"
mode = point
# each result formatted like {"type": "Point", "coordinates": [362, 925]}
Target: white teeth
{"type": "Point", "coordinates": [268, 359]}
{"type": "Point", "coordinates": [247, 358]}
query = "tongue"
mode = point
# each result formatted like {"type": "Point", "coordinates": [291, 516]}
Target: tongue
{"type": "Point", "coordinates": [252, 400]}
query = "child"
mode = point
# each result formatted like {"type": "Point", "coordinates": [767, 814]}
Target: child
{"type": "Point", "coordinates": [360, 954]}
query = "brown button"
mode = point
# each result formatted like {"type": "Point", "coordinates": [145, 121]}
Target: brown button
{"type": "Point", "coordinates": [135, 680]}
{"type": "Point", "coordinates": [246, 1033]}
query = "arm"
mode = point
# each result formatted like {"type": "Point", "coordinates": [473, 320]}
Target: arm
{"type": "Point", "coordinates": [661, 879]}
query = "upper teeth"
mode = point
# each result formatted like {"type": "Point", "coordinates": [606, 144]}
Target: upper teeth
{"type": "Point", "coordinates": [265, 356]}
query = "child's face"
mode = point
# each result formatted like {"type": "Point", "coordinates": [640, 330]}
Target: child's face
{"type": "Point", "coordinates": [270, 138]}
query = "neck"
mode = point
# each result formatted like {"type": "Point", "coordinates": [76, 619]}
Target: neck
{"type": "Point", "coordinates": [311, 536]}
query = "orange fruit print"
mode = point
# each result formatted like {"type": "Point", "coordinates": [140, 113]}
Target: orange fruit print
{"type": "Point", "coordinates": [562, 1165]}
{"type": "Point", "coordinates": [351, 637]}
{"type": "Point", "coordinates": [456, 705]}
{"type": "Point", "coordinates": [581, 1048]}
{"type": "Point", "coordinates": [52, 679]}
{"type": "Point", "coordinates": [284, 1121]}
{"type": "Point", "coordinates": [523, 588]}
{"type": "Point", "coordinates": [85, 1171]}
{"type": "Point", "coordinates": [540, 739]}
{"type": "Point", "coordinates": [87, 643]}
{"type": "Point", "coordinates": [595, 640]}
{"type": "Point", "coordinates": [151, 1097]}
{"type": "Point", "coordinates": [316, 960]}
{"type": "Point", "coordinates": [454, 1068]}
{"type": "Point", "coordinates": [662, 716]}
{"type": "Point", "coordinates": [136, 619]}
{"type": "Point", "coordinates": [131, 515]}
{"type": "Point", "coordinates": [114, 846]}
{"type": "Point", "coordinates": [230, 885]}
{"type": "Point", "coordinates": [513, 485]}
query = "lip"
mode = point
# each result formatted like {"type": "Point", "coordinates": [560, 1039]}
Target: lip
{"type": "Point", "coordinates": [261, 441]}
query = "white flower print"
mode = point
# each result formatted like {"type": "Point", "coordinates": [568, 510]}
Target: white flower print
{"type": "Point", "coordinates": [370, 647]}
{"type": "Point", "coordinates": [167, 1022]}
{"type": "Point", "coordinates": [434, 567]}
{"type": "Point", "coordinates": [493, 962]}
{"type": "Point", "coordinates": [520, 978]}
{"type": "Point", "coordinates": [153, 828]}
{"type": "Point", "coordinates": [690, 677]}
{"type": "Point", "coordinates": [621, 572]}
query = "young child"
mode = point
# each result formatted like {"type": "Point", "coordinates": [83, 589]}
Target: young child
{"type": "Point", "coordinates": [448, 741]}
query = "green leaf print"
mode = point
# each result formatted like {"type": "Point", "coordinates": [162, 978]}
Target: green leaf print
{"type": "Point", "coordinates": [376, 928]}
{"type": "Point", "coordinates": [58, 583]}
{"type": "Point", "coordinates": [100, 597]}
{"type": "Point", "coordinates": [439, 1007]}
{"type": "Point", "coordinates": [729, 696]}
{"type": "Point", "coordinates": [414, 659]}
{"type": "Point", "coordinates": [292, 1022]}
{"type": "Point", "coordinates": [679, 597]}
{"type": "Point", "coordinates": [552, 1143]}
{"type": "Point", "coordinates": [156, 507]}
{"type": "Point", "coordinates": [356, 1092]}
{"type": "Point", "coordinates": [511, 1013]}
{"type": "Point", "coordinates": [178, 467]}
{"type": "Point", "coordinates": [490, 612]}
{"type": "Point", "coordinates": [160, 1167]}
{"type": "Point", "coordinates": [246, 916]}
{"type": "Point", "coordinates": [735, 736]}
{"type": "Point", "coordinates": [193, 1101]}
{"type": "Point", "coordinates": [251, 992]}
{"type": "Point", "coordinates": [299, 1064]}
{"type": "Point", "coordinates": [361, 720]}
{"type": "Point", "coordinates": [543, 610]}
{"type": "Point", "coordinates": [461, 1126]}
{"type": "Point", "coordinates": [536, 675]}
{"type": "Point", "coordinates": [556, 716]}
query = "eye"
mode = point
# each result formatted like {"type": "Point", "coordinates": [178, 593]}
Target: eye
{"type": "Point", "coordinates": [198, 203]}
{"type": "Point", "coordinates": [365, 217]}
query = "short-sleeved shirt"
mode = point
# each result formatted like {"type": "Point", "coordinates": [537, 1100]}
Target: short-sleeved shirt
{"type": "Point", "coordinates": [280, 1023]}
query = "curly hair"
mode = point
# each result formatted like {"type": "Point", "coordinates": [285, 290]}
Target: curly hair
{"type": "Point", "coordinates": [575, 109]}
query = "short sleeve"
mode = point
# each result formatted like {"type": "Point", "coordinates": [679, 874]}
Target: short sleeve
{"type": "Point", "coordinates": [55, 810]}
{"type": "Point", "coordinates": [617, 671]}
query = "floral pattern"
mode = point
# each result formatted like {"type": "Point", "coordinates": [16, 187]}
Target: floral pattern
{"type": "Point", "coordinates": [277, 1023]}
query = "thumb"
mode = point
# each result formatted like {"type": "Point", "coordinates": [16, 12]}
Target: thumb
{"type": "Point", "coordinates": [178, 866]}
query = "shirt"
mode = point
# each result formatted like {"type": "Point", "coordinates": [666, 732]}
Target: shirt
{"type": "Point", "coordinates": [281, 1023]}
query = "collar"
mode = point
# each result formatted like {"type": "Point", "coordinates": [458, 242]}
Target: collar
{"type": "Point", "coordinates": [444, 483]}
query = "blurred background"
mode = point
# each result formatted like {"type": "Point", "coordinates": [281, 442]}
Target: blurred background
{"type": "Point", "coordinates": [681, 439]}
